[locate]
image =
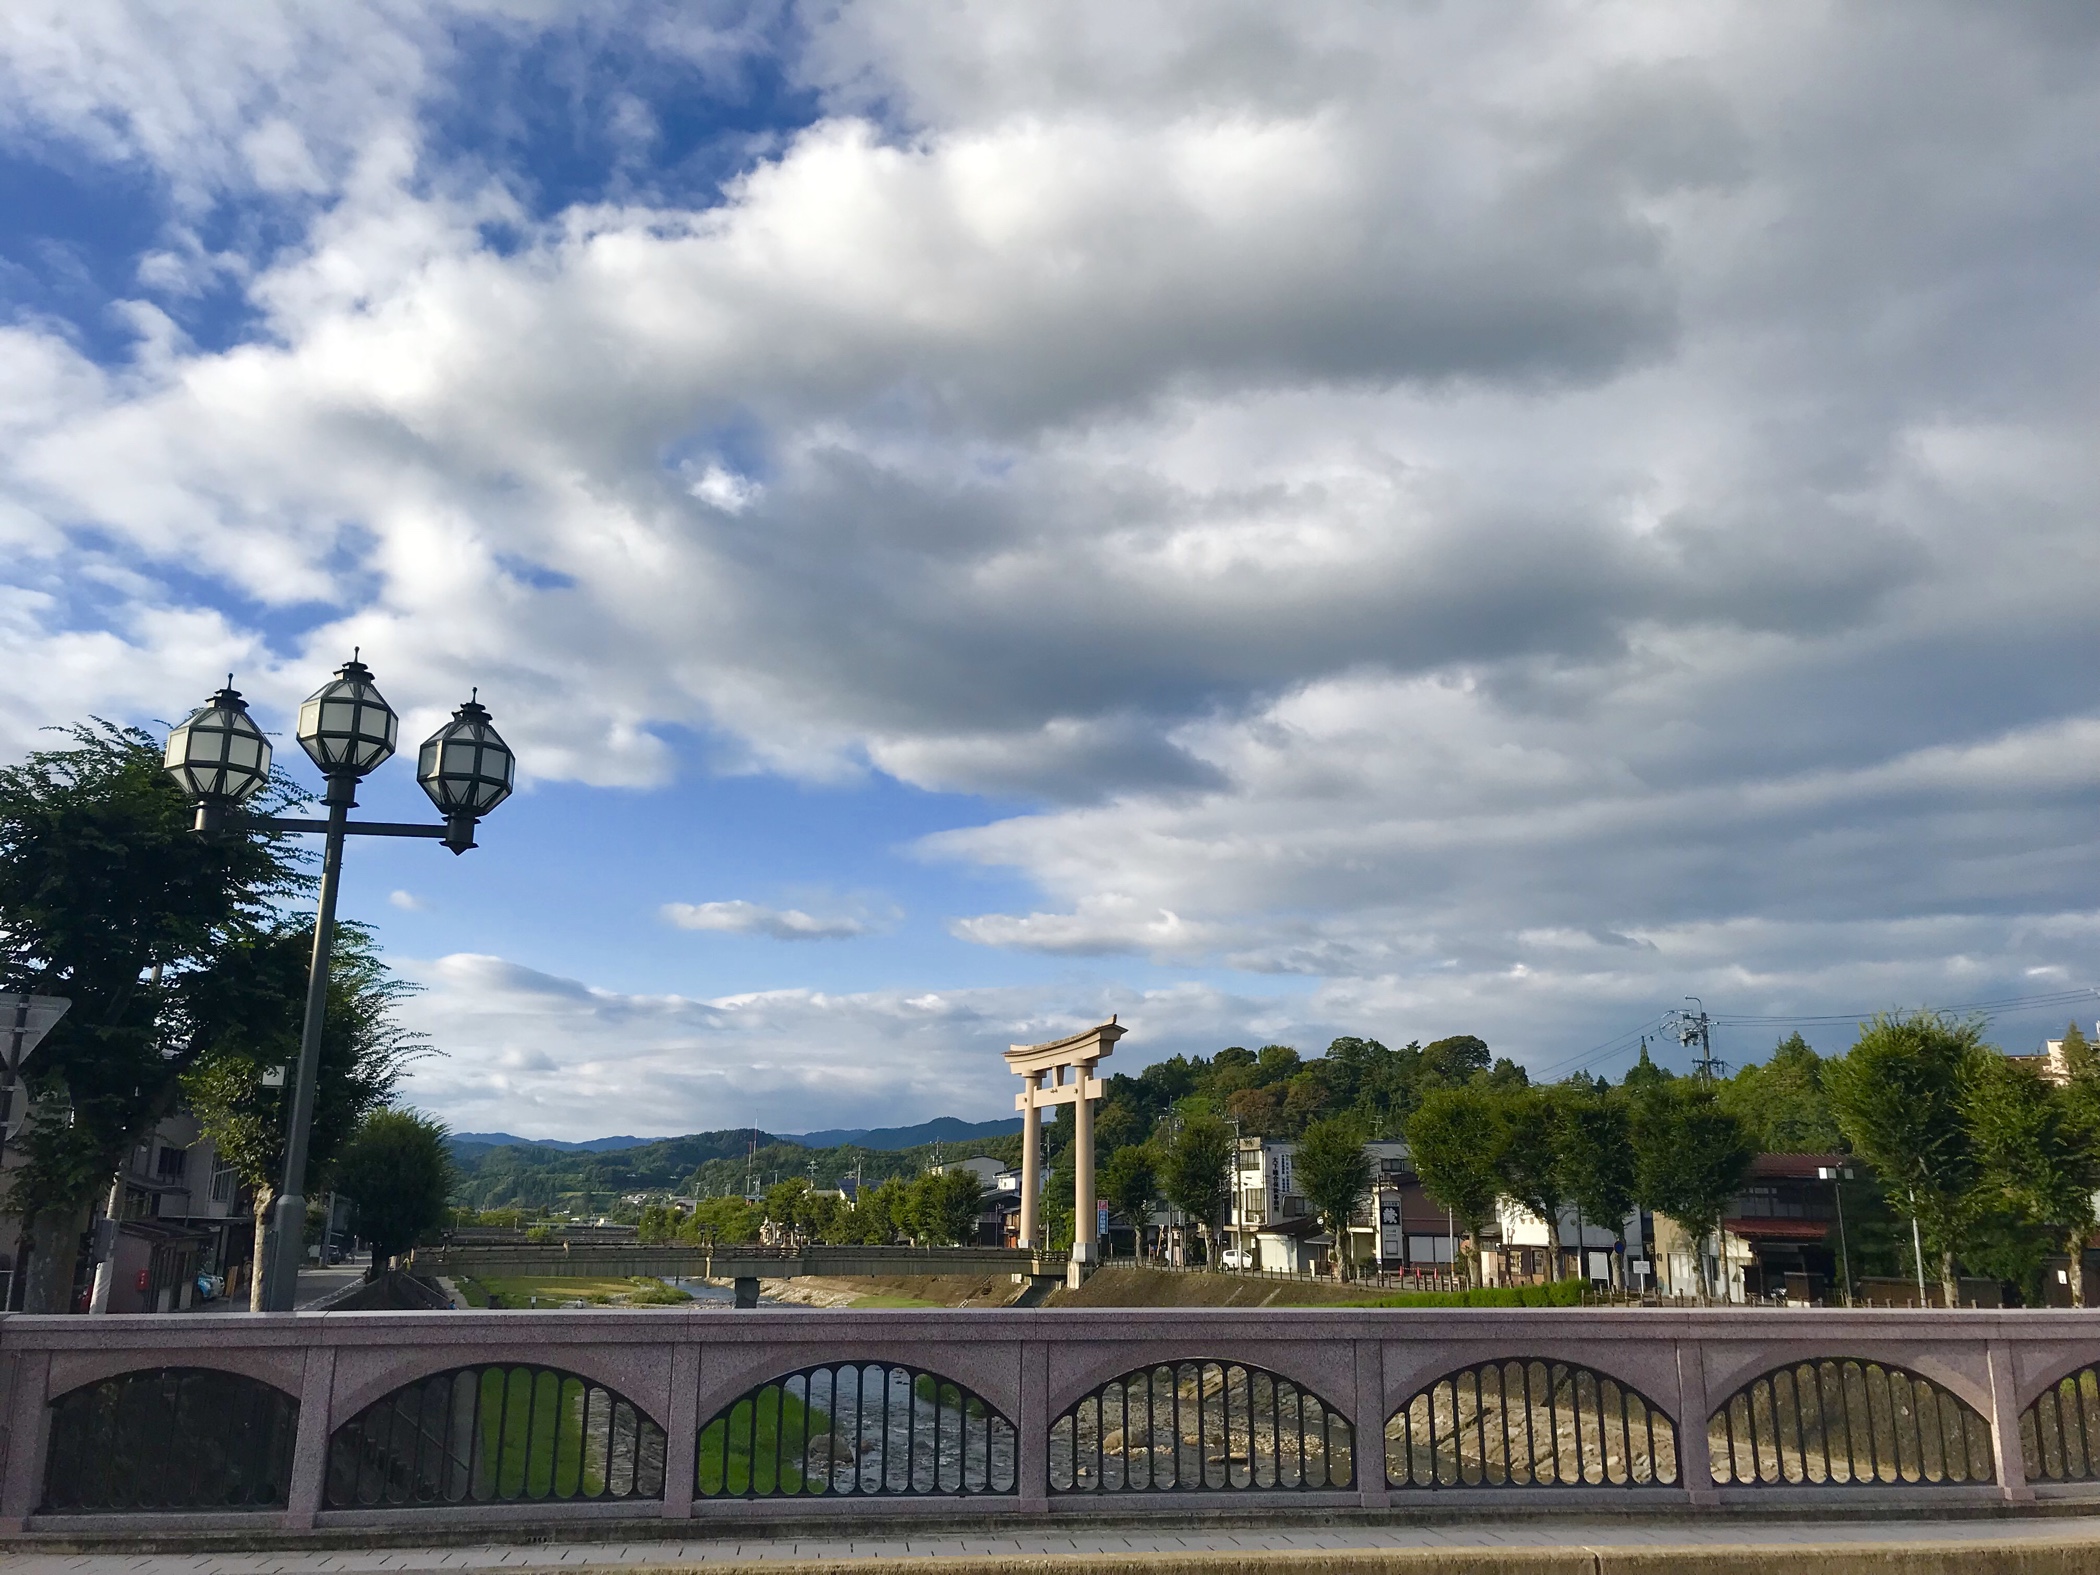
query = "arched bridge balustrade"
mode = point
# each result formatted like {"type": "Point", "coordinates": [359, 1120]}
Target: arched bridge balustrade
{"type": "Point", "coordinates": [1526, 1422]}
{"type": "Point", "coordinates": [1200, 1426]}
{"type": "Point", "coordinates": [1838, 1422]}
{"type": "Point", "coordinates": [170, 1438]}
{"type": "Point", "coordinates": [2060, 1432]}
{"type": "Point", "coordinates": [871, 1429]}
{"type": "Point", "coordinates": [495, 1434]}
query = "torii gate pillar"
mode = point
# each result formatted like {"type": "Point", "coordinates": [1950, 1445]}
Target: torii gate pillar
{"type": "Point", "coordinates": [1077, 1056]}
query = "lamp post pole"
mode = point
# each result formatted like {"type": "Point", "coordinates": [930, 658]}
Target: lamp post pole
{"type": "Point", "coordinates": [287, 1239]}
{"type": "Point", "coordinates": [222, 760]}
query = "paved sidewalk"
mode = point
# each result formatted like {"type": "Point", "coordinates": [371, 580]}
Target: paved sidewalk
{"type": "Point", "coordinates": [1590, 1543]}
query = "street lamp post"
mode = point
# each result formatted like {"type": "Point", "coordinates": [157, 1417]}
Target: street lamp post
{"type": "Point", "coordinates": [222, 760]}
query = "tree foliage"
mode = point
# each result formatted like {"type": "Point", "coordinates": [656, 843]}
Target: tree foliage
{"type": "Point", "coordinates": [1532, 1160]}
{"type": "Point", "coordinates": [1783, 1102]}
{"type": "Point", "coordinates": [2037, 1152]}
{"type": "Point", "coordinates": [1596, 1155]}
{"type": "Point", "coordinates": [397, 1171]}
{"type": "Point", "coordinates": [1196, 1176]}
{"type": "Point", "coordinates": [104, 890]}
{"type": "Point", "coordinates": [1897, 1096]}
{"type": "Point", "coordinates": [1691, 1158]}
{"type": "Point", "coordinates": [1456, 1137]}
{"type": "Point", "coordinates": [1130, 1182]}
{"type": "Point", "coordinates": [1334, 1175]}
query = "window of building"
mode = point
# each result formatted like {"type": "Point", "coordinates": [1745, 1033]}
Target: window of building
{"type": "Point", "coordinates": [224, 1183]}
{"type": "Point", "coordinates": [171, 1164]}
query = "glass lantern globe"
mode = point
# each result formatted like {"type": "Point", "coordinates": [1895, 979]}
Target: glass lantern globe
{"type": "Point", "coordinates": [465, 766]}
{"type": "Point", "coordinates": [344, 726]}
{"type": "Point", "coordinates": [217, 753]}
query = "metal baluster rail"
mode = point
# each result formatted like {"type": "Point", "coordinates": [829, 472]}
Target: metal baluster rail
{"type": "Point", "coordinates": [468, 1418]}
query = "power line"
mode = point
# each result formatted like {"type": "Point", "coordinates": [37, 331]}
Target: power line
{"type": "Point", "coordinates": [1696, 1028]}
{"type": "Point", "coordinates": [1672, 1024]}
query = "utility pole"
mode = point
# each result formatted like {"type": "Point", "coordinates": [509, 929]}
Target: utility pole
{"type": "Point", "coordinates": [1696, 1029]}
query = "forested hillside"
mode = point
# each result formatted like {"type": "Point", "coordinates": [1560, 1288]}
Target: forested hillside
{"type": "Point", "coordinates": [706, 1164]}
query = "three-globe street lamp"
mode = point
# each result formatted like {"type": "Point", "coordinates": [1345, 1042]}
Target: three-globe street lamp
{"type": "Point", "coordinates": [222, 760]}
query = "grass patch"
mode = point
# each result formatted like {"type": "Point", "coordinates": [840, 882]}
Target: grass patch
{"type": "Point", "coordinates": [893, 1301]}
{"type": "Point", "coordinates": [1140, 1287]}
{"type": "Point", "coordinates": [557, 1290]}
{"type": "Point", "coordinates": [1564, 1293]}
{"type": "Point", "coordinates": [758, 1446]}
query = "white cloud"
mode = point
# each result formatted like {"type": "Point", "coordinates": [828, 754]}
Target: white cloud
{"type": "Point", "coordinates": [1104, 923]}
{"type": "Point", "coordinates": [749, 918]}
{"type": "Point", "coordinates": [407, 901]}
{"type": "Point", "coordinates": [1404, 495]}
{"type": "Point", "coordinates": [527, 1051]}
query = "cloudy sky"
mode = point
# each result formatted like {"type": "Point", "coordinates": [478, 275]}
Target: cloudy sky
{"type": "Point", "coordinates": [1391, 518]}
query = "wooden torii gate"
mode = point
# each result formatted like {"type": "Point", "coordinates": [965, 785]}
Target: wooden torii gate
{"type": "Point", "coordinates": [1077, 1055]}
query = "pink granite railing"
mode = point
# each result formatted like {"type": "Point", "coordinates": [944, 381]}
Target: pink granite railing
{"type": "Point", "coordinates": [456, 1418]}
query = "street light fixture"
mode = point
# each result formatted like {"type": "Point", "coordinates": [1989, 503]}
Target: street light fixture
{"type": "Point", "coordinates": [221, 759]}
{"type": "Point", "coordinates": [219, 756]}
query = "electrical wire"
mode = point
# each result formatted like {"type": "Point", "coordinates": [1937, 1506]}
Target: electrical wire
{"type": "Point", "coordinates": [2005, 1006]}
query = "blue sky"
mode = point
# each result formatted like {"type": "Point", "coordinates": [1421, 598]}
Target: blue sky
{"type": "Point", "coordinates": [1269, 523]}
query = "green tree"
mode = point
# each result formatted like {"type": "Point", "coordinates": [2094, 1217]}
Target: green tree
{"type": "Point", "coordinates": [245, 1013]}
{"type": "Point", "coordinates": [1130, 1183]}
{"type": "Point", "coordinates": [1195, 1177]}
{"type": "Point", "coordinates": [1334, 1173]}
{"type": "Point", "coordinates": [2037, 1150]}
{"type": "Point", "coordinates": [877, 1219]}
{"type": "Point", "coordinates": [2078, 1056]}
{"type": "Point", "coordinates": [1690, 1158]}
{"type": "Point", "coordinates": [1644, 1073]}
{"type": "Point", "coordinates": [1596, 1157]}
{"type": "Point", "coordinates": [1783, 1102]}
{"type": "Point", "coordinates": [397, 1169]}
{"type": "Point", "coordinates": [1455, 1060]}
{"type": "Point", "coordinates": [782, 1201]}
{"type": "Point", "coordinates": [1897, 1096]}
{"type": "Point", "coordinates": [109, 898]}
{"type": "Point", "coordinates": [1531, 1161]}
{"type": "Point", "coordinates": [1456, 1137]}
{"type": "Point", "coordinates": [944, 1208]}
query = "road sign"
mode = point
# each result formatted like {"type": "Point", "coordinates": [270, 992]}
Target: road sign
{"type": "Point", "coordinates": [24, 1020]}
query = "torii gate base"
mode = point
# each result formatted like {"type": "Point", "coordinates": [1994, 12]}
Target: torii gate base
{"type": "Point", "coordinates": [1079, 1055]}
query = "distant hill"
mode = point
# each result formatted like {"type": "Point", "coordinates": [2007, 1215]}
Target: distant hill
{"type": "Point", "coordinates": [604, 1145]}
{"type": "Point", "coordinates": [941, 1129]}
{"type": "Point", "coordinates": [591, 1178]}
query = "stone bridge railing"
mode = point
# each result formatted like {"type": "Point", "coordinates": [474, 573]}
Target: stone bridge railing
{"type": "Point", "coordinates": [457, 1418]}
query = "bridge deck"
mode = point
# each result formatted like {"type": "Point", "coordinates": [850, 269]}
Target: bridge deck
{"type": "Point", "coordinates": [1489, 1544]}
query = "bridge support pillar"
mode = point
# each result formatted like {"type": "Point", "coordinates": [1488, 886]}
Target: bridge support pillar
{"type": "Point", "coordinates": [2005, 1426]}
{"type": "Point", "coordinates": [747, 1290]}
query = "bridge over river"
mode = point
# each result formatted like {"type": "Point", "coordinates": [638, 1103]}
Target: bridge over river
{"type": "Point", "coordinates": [576, 1423]}
{"type": "Point", "coordinates": [743, 1263]}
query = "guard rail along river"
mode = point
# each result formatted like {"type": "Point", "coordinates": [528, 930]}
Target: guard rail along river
{"type": "Point", "coordinates": [493, 1418]}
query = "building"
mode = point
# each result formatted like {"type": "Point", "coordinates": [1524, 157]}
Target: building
{"type": "Point", "coordinates": [986, 1170]}
{"type": "Point", "coordinates": [1397, 1228]}
{"type": "Point", "coordinates": [1522, 1245]}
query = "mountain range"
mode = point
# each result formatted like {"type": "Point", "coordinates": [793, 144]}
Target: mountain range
{"type": "Point", "coordinates": [941, 1129]}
